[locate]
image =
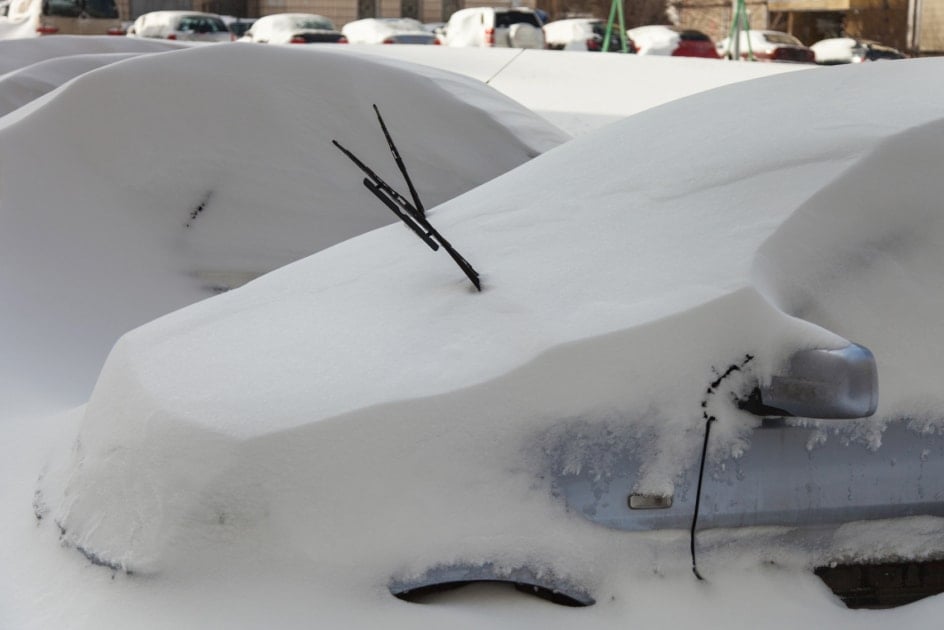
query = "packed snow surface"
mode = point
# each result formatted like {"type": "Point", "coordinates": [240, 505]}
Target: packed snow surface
{"type": "Point", "coordinates": [581, 92]}
{"type": "Point", "coordinates": [275, 455]}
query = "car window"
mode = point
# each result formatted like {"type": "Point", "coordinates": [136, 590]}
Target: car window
{"type": "Point", "coordinates": [782, 38]}
{"type": "Point", "coordinates": [73, 8]}
{"type": "Point", "coordinates": [101, 9]}
{"type": "Point", "coordinates": [504, 19]}
{"type": "Point", "coordinates": [313, 24]}
{"type": "Point", "coordinates": [240, 27]}
{"type": "Point", "coordinates": [201, 24]}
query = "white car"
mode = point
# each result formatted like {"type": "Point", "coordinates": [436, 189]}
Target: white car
{"type": "Point", "coordinates": [767, 46]}
{"type": "Point", "coordinates": [838, 50]}
{"type": "Point", "coordinates": [495, 27]}
{"type": "Point", "coordinates": [294, 28]}
{"type": "Point", "coordinates": [582, 34]}
{"type": "Point", "coordinates": [388, 31]}
{"type": "Point", "coordinates": [191, 26]}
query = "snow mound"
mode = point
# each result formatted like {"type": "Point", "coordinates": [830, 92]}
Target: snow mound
{"type": "Point", "coordinates": [164, 179]}
{"type": "Point", "coordinates": [282, 419]}
{"type": "Point", "coordinates": [19, 87]}
{"type": "Point", "coordinates": [581, 93]}
{"type": "Point", "coordinates": [18, 53]}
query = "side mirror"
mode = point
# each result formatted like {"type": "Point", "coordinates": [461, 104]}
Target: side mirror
{"type": "Point", "coordinates": [818, 383]}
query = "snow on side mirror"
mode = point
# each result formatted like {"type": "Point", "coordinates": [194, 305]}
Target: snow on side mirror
{"type": "Point", "coordinates": [818, 383]}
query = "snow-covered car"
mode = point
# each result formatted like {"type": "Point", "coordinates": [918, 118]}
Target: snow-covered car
{"type": "Point", "coordinates": [388, 31]}
{"type": "Point", "coordinates": [767, 46]}
{"type": "Point", "coordinates": [294, 28]}
{"type": "Point", "coordinates": [660, 374]}
{"type": "Point", "coordinates": [517, 27]}
{"type": "Point", "coordinates": [582, 34]}
{"type": "Point", "coordinates": [672, 40]}
{"type": "Point", "coordinates": [26, 18]}
{"type": "Point", "coordinates": [839, 50]}
{"type": "Point", "coordinates": [191, 26]}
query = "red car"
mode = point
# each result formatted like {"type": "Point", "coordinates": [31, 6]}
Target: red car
{"type": "Point", "coordinates": [674, 41]}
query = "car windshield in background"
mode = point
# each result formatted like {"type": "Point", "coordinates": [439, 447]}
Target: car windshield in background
{"type": "Point", "coordinates": [240, 27]}
{"type": "Point", "coordinates": [75, 8]}
{"type": "Point", "coordinates": [200, 24]}
{"type": "Point", "coordinates": [312, 37]}
{"type": "Point", "coordinates": [504, 19]}
{"type": "Point", "coordinates": [782, 38]}
{"type": "Point", "coordinates": [315, 25]}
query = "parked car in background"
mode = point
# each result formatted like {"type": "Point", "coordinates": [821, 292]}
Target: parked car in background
{"type": "Point", "coordinates": [582, 34]}
{"type": "Point", "coordinates": [294, 28]}
{"type": "Point", "coordinates": [672, 40]}
{"type": "Point", "coordinates": [191, 26]}
{"type": "Point", "coordinates": [237, 25]}
{"type": "Point", "coordinates": [495, 27]}
{"type": "Point", "coordinates": [388, 31]}
{"type": "Point", "coordinates": [767, 46]}
{"type": "Point", "coordinates": [837, 50]}
{"type": "Point", "coordinates": [63, 17]}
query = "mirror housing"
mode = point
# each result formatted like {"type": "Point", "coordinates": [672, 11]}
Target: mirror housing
{"type": "Point", "coordinates": [819, 383]}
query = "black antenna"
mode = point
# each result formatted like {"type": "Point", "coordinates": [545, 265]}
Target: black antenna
{"type": "Point", "coordinates": [413, 215]}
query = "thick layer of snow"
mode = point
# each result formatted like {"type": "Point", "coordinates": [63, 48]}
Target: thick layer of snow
{"type": "Point", "coordinates": [18, 53]}
{"type": "Point", "coordinates": [162, 178]}
{"type": "Point", "coordinates": [581, 92]}
{"type": "Point", "coordinates": [375, 31]}
{"type": "Point", "coordinates": [363, 414]}
{"type": "Point", "coordinates": [19, 87]}
{"type": "Point", "coordinates": [276, 454]}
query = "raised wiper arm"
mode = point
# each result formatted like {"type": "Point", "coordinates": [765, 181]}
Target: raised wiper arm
{"type": "Point", "coordinates": [413, 215]}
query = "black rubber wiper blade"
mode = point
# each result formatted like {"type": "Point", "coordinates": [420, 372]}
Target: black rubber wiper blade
{"type": "Point", "coordinates": [420, 210]}
{"type": "Point", "coordinates": [381, 194]}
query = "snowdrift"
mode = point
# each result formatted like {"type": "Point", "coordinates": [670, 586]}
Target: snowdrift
{"type": "Point", "coordinates": [363, 415]}
{"type": "Point", "coordinates": [165, 179]}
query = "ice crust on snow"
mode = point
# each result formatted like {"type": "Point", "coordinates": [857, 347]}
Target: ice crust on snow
{"type": "Point", "coordinates": [288, 411]}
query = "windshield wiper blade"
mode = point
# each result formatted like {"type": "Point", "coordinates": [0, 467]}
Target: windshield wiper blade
{"type": "Point", "coordinates": [413, 215]}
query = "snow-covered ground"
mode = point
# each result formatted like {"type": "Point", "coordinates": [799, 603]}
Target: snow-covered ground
{"type": "Point", "coordinates": [275, 455]}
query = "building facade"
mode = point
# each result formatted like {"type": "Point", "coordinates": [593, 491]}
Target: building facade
{"type": "Point", "coordinates": [914, 26]}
